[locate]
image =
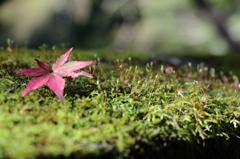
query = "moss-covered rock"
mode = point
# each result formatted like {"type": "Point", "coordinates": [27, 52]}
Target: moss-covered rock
{"type": "Point", "coordinates": [130, 109]}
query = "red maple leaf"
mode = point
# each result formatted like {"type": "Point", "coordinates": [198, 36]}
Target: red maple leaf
{"type": "Point", "coordinates": [54, 77]}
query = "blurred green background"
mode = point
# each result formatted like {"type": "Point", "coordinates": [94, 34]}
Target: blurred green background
{"type": "Point", "coordinates": [205, 26]}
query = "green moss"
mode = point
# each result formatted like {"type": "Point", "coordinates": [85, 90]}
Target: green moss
{"type": "Point", "coordinates": [129, 109]}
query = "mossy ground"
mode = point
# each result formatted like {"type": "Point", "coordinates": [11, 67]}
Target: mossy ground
{"type": "Point", "coordinates": [130, 109]}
